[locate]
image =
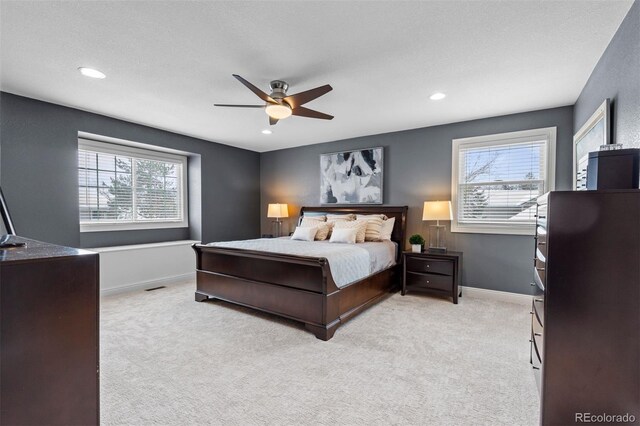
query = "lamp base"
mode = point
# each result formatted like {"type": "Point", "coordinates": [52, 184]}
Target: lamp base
{"type": "Point", "coordinates": [437, 243]}
{"type": "Point", "coordinates": [278, 225]}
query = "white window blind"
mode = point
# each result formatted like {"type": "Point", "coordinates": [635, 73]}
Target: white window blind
{"type": "Point", "coordinates": [127, 188]}
{"type": "Point", "coordinates": [497, 180]}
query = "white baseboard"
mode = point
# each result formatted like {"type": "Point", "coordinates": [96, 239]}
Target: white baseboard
{"type": "Point", "coordinates": [149, 284]}
{"type": "Point", "coordinates": [502, 296]}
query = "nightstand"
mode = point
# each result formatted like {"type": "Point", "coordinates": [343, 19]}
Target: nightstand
{"type": "Point", "coordinates": [439, 273]}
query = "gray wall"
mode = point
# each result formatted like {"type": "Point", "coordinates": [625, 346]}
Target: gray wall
{"type": "Point", "coordinates": [38, 173]}
{"type": "Point", "coordinates": [617, 76]}
{"type": "Point", "coordinates": [418, 168]}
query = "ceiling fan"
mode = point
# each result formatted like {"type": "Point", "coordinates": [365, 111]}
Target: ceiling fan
{"type": "Point", "coordinates": [278, 105]}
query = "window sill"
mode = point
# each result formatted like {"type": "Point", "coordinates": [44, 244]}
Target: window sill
{"type": "Point", "coordinates": [110, 227]}
{"type": "Point", "coordinates": [494, 229]}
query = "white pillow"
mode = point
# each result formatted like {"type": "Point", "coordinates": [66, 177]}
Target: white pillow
{"type": "Point", "coordinates": [323, 228]}
{"type": "Point", "coordinates": [359, 225]}
{"type": "Point", "coordinates": [304, 234]}
{"type": "Point", "coordinates": [345, 235]}
{"type": "Point", "coordinates": [387, 229]}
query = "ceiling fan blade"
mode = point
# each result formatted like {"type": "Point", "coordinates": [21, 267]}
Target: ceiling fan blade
{"type": "Point", "coordinates": [255, 90]}
{"type": "Point", "coordinates": [306, 112]}
{"type": "Point", "coordinates": [239, 106]}
{"type": "Point", "coordinates": [273, 121]}
{"type": "Point", "coordinates": [303, 97]}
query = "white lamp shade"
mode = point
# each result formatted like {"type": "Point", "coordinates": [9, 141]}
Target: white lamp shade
{"type": "Point", "coordinates": [437, 210]}
{"type": "Point", "coordinates": [278, 210]}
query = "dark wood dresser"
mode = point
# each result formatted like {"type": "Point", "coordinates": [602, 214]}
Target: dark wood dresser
{"type": "Point", "coordinates": [48, 335]}
{"type": "Point", "coordinates": [585, 333]}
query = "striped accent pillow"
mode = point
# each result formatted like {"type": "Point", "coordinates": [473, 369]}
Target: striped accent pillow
{"type": "Point", "coordinates": [360, 225]}
{"type": "Point", "coordinates": [374, 226]}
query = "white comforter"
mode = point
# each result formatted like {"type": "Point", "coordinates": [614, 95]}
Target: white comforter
{"type": "Point", "coordinates": [348, 262]}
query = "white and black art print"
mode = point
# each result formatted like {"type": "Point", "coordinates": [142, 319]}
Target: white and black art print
{"type": "Point", "coordinates": [351, 177]}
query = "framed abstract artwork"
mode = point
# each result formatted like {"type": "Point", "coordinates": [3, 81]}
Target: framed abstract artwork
{"type": "Point", "coordinates": [352, 177]}
{"type": "Point", "coordinates": [594, 133]}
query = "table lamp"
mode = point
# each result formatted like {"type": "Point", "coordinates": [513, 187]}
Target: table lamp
{"type": "Point", "coordinates": [277, 211]}
{"type": "Point", "coordinates": [437, 210]}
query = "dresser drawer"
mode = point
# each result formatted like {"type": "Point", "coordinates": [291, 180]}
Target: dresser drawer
{"type": "Point", "coordinates": [430, 281]}
{"type": "Point", "coordinates": [537, 331]}
{"type": "Point", "coordinates": [538, 309]}
{"type": "Point", "coordinates": [432, 266]}
{"type": "Point", "coordinates": [536, 363]}
{"type": "Point", "coordinates": [540, 271]}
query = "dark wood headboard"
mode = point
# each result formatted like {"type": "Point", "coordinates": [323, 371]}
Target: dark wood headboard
{"type": "Point", "coordinates": [399, 212]}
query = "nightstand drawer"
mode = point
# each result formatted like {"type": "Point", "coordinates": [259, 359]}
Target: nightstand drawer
{"type": "Point", "coordinates": [432, 281]}
{"type": "Point", "coordinates": [432, 266]}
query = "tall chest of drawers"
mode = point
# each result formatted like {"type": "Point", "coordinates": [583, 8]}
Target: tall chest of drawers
{"type": "Point", "coordinates": [585, 315]}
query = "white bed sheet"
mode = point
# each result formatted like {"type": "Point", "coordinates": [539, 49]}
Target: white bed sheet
{"type": "Point", "coordinates": [348, 262]}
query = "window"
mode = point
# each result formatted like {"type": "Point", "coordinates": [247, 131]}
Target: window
{"type": "Point", "coordinates": [496, 180]}
{"type": "Point", "coordinates": [122, 187]}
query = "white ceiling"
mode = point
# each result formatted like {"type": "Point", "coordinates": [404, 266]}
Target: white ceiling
{"type": "Point", "coordinates": [167, 63]}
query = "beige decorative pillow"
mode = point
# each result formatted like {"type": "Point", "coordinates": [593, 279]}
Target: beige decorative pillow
{"type": "Point", "coordinates": [368, 216]}
{"type": "Point", "coordinates": [374, 225]}
{"type": "Point", "coordinates": [323, 228]}
{"type": "Point", "coordinates": [313, 219]}
{"type": "Point", "coordinates": [387, 229]}
{"type": "Point", "coordinates": [332, 219]}
{"type": "Point", "coordinates": [307, 222]}
{"type": "Point", "coordinates": [360, 225]}
{"type": "Point", "coordinates": [340, 217]}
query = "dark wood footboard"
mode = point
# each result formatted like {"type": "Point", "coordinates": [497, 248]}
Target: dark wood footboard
{"type": "Point", "coordinates": [296, 287]}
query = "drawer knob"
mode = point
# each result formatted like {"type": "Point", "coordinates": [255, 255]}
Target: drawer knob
{"type": "Point", "coordinates": [536, 368]}
{"type": "Point", "coordinates": [428, 282]}
{"type": "Point", "coordinates": [537, 334]}
{"type": "Point", "coordinates": [428, 266]}
{"type": "Point", "coordinates": [539, 300]}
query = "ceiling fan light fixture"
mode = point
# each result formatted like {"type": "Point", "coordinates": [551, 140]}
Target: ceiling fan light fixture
{"type": "Point", "coordinates": [278, 111]}
{"type": "Point", "coordinates": [90, 72]}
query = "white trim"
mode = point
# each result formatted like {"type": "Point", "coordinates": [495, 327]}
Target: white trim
{"type": "Point", "coordinates": [501, 296]}
{"type": "Point", "coordinates": [128, 143]}
{"type": "Point", "coordinates": [601, 113]}
{"type": "Point", "coordinates": [547, 133]}
{"type": "Point", "coordinates": [143, 246]}
{"type": "Point", "coordinates": [176, 279]}
{"type": "Point", "coordinates": [138, 150]}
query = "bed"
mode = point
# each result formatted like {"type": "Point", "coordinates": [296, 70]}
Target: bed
{"type": "Point", "coordinates": [295, 286]}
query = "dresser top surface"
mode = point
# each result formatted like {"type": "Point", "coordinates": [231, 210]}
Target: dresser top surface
{"type": "Point", "coordinates": [36, 250]}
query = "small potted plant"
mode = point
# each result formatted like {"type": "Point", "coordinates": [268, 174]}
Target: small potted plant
{"type": "Point", "coordinates": [416, 242]}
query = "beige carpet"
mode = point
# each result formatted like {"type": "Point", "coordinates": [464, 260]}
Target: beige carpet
{"type": "Point", "coordinates": [167, 360]}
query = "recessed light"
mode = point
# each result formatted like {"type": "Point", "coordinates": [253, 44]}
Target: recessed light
{"type": "Point", "coordinates": [90, 72]}
{"type": "Point", "coordinates": [437, 96]}
{"type": "Point", "coordinates": [266, 132]}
